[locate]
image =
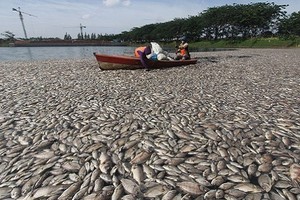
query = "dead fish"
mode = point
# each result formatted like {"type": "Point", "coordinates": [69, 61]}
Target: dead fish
{"type": "Point", "coordinates": [218, 180]}
{"type": "Point", "coordinates": [182, 135]}
{"type": "Point", "coordinates": [137, 173]}
{"type": "Point", "coordinates": [155, 191]}
{"type": "Point", "coordinates": [48, 191]}
{"type": "Point", "coordinates": [254, 196]}
{"type": "Point", "coordinates": [5, 192]}
{"type": "Point", "coordinates": [148, 171]}
{"type": "Point", "coordinates": [128, 197]}
{"type": "Point", "coordinates": [29, 184]}
{"type": "Point", "coordinates": [248, 187]}
{"type": "Point", "coordinates": [219, 194]}
{"type": "Point", "coordinates": [190, 187]}
{"type": "Point", "coordinates": [265, 167]}
{"type": "Point", "coordinates": [265, 182]}
{"type": "Point", "coordinates": [71, 166]}
{"type": "Point", "coordinates": [233, 168]}
{"type": "Point", "coordinates": [95, 174]}
{"type": "Point", "coordinates": [252, 169]}
{"type": "Point", "coordinates": [295, 172]}
{"type": "Point", "coordinates": [106, 177]}
{"type": "Point", "coordinates": [202, 181]}
{"type": "Point", "coordinates": [74, 177]}
{"type": "Point", "coordinates": [276, 196]}
{"type": "Point", "coordinates": [44, 155]}
{"type": "Point", "coordinates": [130, 144]}
{"type": "Point", "coordinates": [118, 192]}
{"type": "Point", "coordinates": [235, 193]}
{"type": "Point", "coordinates": [105, 162]}
{"type": "Point", "coordinates": [86, 181]}
{"type": "Point", "coordinates": [175, 161]}
{"type": "Point", "coordinates": [289, 195]}
{"type": "Point", "coordinates": [283, 184]}
{"type": "Point", "coordinates": [187, 148]}
{"type": "Point", "coordinates": [169, 195]}
{"type": "Point", "coordinates": [211, 194]}
{"type": "Point", "coordinates": [140, 158]}
{"type": "Point", "coordinates": [223, 152]}
{"type": "Point", "coordinates": [70, 191]}
{"type": "Point", "coordinates": [15, 193]}
{"type": "Point", "coordinates": [248, 161]}
{"type": "Point", "coordinates": [99, 183]}
{"type": "Point", "coordinates": [130, 186]}
{"type": "Point", "coordinates": [237, 179]}
{"type": "Point", "coordinates": [211, 134]}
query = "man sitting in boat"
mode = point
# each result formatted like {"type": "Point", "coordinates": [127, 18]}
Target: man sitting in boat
{"type": "Point", "coordinates": [153, 52]}
{"type": "Point", "coordinates": [183, 50]}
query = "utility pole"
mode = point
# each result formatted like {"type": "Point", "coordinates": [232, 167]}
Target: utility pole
{"type": "Point", "coordinates": [21, 18]}
{"type": "Point", "coordinates": [81, 30]}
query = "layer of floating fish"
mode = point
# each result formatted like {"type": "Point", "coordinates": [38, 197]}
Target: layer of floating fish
{"type": "Point", "coordinates": [228, 129]}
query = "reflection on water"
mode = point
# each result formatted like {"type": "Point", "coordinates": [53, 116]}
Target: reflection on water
{"type": "Point", "coordinates": [45, 53]}
{"type": "Point", "coordinates": [29, 53]}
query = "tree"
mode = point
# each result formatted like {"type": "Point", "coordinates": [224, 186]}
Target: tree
{"type": "Point", "coordinates": [67, 37]}
{"type": "Point", "coordinates": [291, 25]}
{"type": "Point", "coordinates": [8, 35]}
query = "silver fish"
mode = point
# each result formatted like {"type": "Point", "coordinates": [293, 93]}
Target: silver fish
{"type": "Point", "coordinates": [265, 182]}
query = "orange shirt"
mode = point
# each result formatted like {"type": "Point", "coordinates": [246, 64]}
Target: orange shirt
{"type": "Point", "coordinates": [183, 52]}
{"type": "Point", "coordinates": [138, 49]}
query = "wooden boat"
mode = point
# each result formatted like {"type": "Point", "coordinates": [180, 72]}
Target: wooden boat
{"type": "Point", "coordinates": [110, 62]}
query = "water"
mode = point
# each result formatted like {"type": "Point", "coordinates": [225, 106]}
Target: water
{"type": "Point", "coordinates": [74, 52]}
{"type": "Point", "coordinates": [45, 53]}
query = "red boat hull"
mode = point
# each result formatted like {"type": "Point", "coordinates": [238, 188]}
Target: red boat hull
{"type": "Point", "coordinates": [111, 62]}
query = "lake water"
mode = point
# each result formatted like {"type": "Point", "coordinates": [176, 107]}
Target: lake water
{"type": "Point", "coordinates": [45, 53]}
{"type": "Point", "coordinates": [74, 52]}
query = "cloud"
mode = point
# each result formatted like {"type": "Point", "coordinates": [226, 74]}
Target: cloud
{"type": "Point", "coordinates": [110, 3]}
{"type": "Point", "coordinates": [86, 16]}
{"type": "Point", "coordinates": [126, 2]}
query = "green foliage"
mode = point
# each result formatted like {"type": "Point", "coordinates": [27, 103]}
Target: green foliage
{"type": "Point", "coordinates": [273, 42]}
{"type": "Point", "coordinates": [223, 22]}
{"type": "Point", "coordinates": [8, 35]}
{"type": "Point", "coordinates": [67, 37]}
{"type": "Point", "coordinates": [290, 26]}
{"type": "Point", "coordinates": [232, 23]}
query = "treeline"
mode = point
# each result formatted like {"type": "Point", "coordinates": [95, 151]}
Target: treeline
{"type": "Point", "coordinates": [92, 36]}
{"type": "Point", "coordinates": [224, 22]}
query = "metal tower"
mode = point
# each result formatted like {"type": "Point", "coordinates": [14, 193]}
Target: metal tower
{"type": "Point", "coordinates": [81, 30]}
{"type": "Point", "coordinates": [21, 18]}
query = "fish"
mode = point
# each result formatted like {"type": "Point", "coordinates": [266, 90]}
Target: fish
{"type": "Point", "coordinates": [137, 173]}
{"type": "Point", "coordinates": [140, 158]}
{"type": "Point", "coordinates": [48, 191]}
{"type": "Point", "coordinates": [154, 191]}
{"type": "Point", "coordinates": [70, 191]}
{"type": "Point", "coordinates": [118, 192]}
{"type": "Point", "coordinates": [248, 187]}
{"type": "Point", "coordinates": [190, 187]}
{"type": "Point", "coordinates": [265, 182]}
{"type": "Point", "coordinates": [130, 186]}
{"type": "Point", "coordinates": [169, 195]}
{"type": "Point", "coordinates": [295, 172]}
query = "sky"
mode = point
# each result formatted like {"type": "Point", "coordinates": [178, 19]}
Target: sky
{"type": "Point", "coordinates": [55, 18]}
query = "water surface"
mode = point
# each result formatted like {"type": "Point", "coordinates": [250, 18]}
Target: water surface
{"type": "Point", "coordinates": [45, 53]}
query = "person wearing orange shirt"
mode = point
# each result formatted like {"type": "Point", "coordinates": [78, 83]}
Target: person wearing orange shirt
{"type": "Point", "coordinates": [142, 52]}
{"type": "Point", "coordinates": [183, 50]}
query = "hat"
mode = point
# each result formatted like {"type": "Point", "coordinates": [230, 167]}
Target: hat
{"type": "Point", "coordinates": [183, 38]}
